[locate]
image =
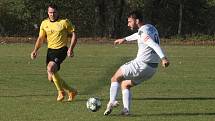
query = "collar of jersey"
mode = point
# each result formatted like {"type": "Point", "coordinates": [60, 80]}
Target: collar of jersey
{"type": "Point", "coordinates": [54, 20]}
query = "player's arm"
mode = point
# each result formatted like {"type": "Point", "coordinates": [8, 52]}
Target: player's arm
{"type": "Point", "coordinates": [39, 42]}
{"type": "Point", "coordinates": [148, 40]}
{"type": "Point", "coordinates": [71, 30]}
{"type": "Point", "coordinates": [72, 44]}
{"type": "Point", "coordinates": [37, 46]}
{"type": "Point", "coordinates": [128, 38]}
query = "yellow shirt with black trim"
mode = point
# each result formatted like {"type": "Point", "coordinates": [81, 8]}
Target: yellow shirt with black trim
{"type": "Point", "coordinates": [56, 32]}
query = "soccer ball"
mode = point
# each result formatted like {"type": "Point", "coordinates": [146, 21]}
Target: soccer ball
{"type": "Point", "coordinates": [93, 104]}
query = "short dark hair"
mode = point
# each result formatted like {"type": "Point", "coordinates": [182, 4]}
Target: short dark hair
{"type": "Point", "coordinates": [52, 5]}
{"type": "Point", "coordinates": [136, 15]}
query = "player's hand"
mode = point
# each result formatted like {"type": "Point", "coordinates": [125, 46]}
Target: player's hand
{"type": "Point", "coordinates": [70, 53]}
{"type": "Point", "coordinates": [165, 62]}
{"type": "Point", "coordinates": [33, 55]}
{"type": "Point", "coordinates": [119, 41]}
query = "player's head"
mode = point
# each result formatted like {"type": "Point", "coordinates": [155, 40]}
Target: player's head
{"type": "Point", "coordinates": [52, 12]}
{"type": "Point", "coordinates": [135, 19]}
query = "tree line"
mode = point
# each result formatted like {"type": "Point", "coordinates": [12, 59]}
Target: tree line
{"type": "Point", "coordinates": [107, 18]}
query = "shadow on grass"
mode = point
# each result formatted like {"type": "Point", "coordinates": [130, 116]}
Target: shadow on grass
{"type": "Point", "coordinates": [165, 114]}
{"type": "Point", "coordinates": [103, 99]}
{"type": "Point", "coordinates": [77, 99]}
{"type": "Point", "coordinates": [180, 114]}
{"type": "Point", "coordinates": [27, 95]}
{"type": "Point", "coordinates": [175, 98]}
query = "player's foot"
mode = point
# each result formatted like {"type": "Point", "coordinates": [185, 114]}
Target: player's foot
{"type": "Point", "coordinates": [125, 112]}
{"type": "Point", "coordinates": [60, 96]}
{"type": "Point", "coordinates": [110, 107]}
{"type": "Point", "coordinates": [71, 95]}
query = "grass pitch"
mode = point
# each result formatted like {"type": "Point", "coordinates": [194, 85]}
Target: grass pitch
{"type": "Point", "coordinates": [182, 92]}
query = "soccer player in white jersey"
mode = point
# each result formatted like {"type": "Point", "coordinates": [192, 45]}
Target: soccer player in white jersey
{"type": "Point", "coordinates": [142, 68]}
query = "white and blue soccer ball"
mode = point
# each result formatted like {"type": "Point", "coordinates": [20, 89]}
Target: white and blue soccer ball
{"type": "Point", "coordinates": [93, 104]}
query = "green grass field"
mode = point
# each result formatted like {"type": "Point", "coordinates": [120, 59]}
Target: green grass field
{"type": "Point", "coordinates": [183, 92]}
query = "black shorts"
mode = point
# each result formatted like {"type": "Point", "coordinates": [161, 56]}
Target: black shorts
{"type": "Point", "coordinates": [56, 55]}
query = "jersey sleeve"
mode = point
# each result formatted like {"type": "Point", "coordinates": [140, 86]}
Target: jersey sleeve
{"type": "Point", "coordinates": [132, 37]}
{"type": "Point", "coordinates": [145, 38]}
{"type": "Point", "coordinates": [69, 26]}
{"type": "Point", "coordinates": [42, 32]}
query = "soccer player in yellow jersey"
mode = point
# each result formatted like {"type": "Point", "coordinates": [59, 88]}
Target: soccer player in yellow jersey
{"type": "Point", "coordinates": [56, 31]}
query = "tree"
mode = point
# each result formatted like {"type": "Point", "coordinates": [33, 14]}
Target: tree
{"type": "Point", "coordinates": [180, 16]}
{"type": "Point", "coordinates": [210, 17]}
{"type": "Point", "coordinates": [107, 18]}
{"type": "Point", "coordinates": [177, 16]}
{"type": "Point", "coordinates": [109, 14]}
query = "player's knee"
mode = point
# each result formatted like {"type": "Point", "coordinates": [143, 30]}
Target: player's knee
{"type": "Point", "coordinates": [113, 79]}
{"type": "Point", "coordinates": [118, 76]}
{"type": "Point", "coordinates": [116, 79]}
{"type": "Point", "coordinates": [51, 68]}
{"type": "Point", "coordinates": [125, 85]}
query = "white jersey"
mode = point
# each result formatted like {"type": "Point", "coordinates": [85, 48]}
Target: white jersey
{"type": "Point", "coordinates": [148, 41]}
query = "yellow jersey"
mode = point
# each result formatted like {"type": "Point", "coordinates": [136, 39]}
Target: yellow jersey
{"type": "Point", "coordinates": [56, 32]}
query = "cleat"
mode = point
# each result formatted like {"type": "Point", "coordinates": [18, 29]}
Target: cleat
{"type": "Point", "coordinates": [72, 95]}
{"type": "Point", "coordinates": [110, 107]}
{"type": "Point", "coordinates": [125, 112]}
{"type": "Point", "coordinates": [60, 96]}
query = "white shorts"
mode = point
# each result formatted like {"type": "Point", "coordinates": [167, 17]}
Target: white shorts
{"type": "Point", "coordinates": [137, 71]}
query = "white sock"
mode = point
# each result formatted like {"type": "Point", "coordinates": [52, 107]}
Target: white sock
{"type": "Point", "coordinates": [113, 91]}
{"type": "Point", "coordinates": [126, 98]}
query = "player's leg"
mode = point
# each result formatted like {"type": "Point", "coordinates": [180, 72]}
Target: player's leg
{"type": "Point", "coordinates": [126, 95]}
{"type": "Point", "coordinates": [49, 77]}
{"type": "Point", "coordinates": [49, 66]}
{"type": "Point", "coordinates": [57, 57]}
{"type": "Point", "coordinates": [141, 73]}
{"type": "Point", "coordinates": [61, 55]}
{"type": "Point", "coordinates": [49, 72]}
{"type": "Point", "coordinates": [53, 65]}
{"type": "Point", "coordinates": [61, 85]}
{"type": "Point", "coordinates": [115, 81]}
{"type": "Point", "coordinates": [52, 74]}
{"type": "Point", "coordinates": [51, 69]}
{"type": "Point", "coordinates": [71, 91]}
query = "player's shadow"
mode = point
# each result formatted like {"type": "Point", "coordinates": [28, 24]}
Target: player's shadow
{"type": "Point", "coordinates": [28, 95]}
{"type": "Point", "coordinates": [165, 114]}
{"type": "Point", "coordinates": [103, 99]}
{"type": "Point", "coordinates": [173, 113]}
{"type": "Point", "coordinates": [180, 114]}
{"type": "Point", "coordinates": [77, 99]}
{"type": "Point", "coordinates": [175, 98]}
